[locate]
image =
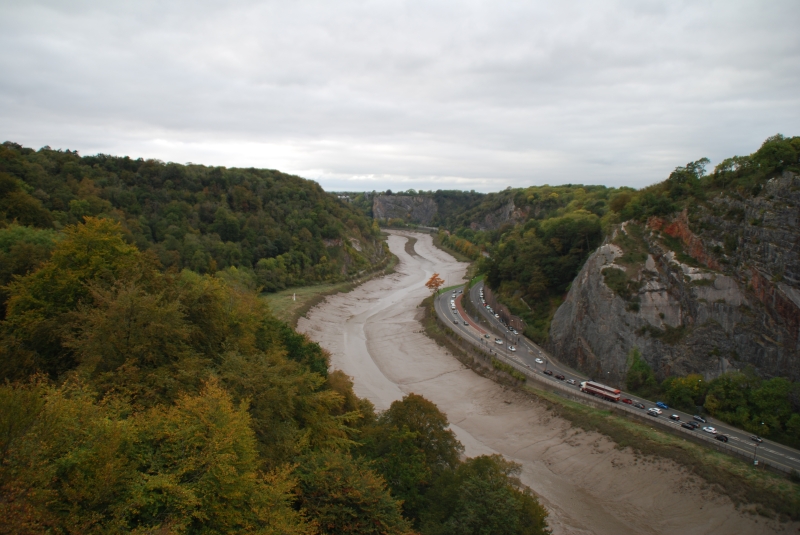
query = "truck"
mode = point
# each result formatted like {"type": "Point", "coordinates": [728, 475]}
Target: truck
{"type": "Point", "coordinates": [600, 390]}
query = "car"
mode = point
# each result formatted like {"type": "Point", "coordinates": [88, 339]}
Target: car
{"type": "Point", "coordinates": [722, 438]}
{"type": "Point", "coordinates": [656, 410]}
{"type": "Point", "coordinates": [674, 417]}
{"type": "Point", "coordinates": [560, 377]}
{"type": "Point", "coordinates": [461, 291]}
{"type": "Point", "coordinates": [455, 321]}
{"type": "Point", "coordinates": [756, 438]}
{"type": "Point", "coordinates": [699, 419]}
{"type": "Point", "coordinates": [711, 430]}
{"type": "Point", "coordinates": [498, 341]}
{"type": "Point", "coordinates": [652, 413]}
{"type": "Point", "coordinates": [688, 425]}
{"type": "Point", "coordinates": [661, 405]}
{"type": "Point", "coordinates": [627, 401]}
{"type": "Point", "coordinates": [571, 381]}
{"type": "Point", "coordinates": [466, 322]}
{"type": "Point", "coordinates": [497, 315]}
{"type": "Point", "coordinates": [539, 361]}
{"type": "Point", "coordinates": [486, 336]}
{"type": "Point", "coordinates": [694, 425]}
{"type": "Point", "coordinates": [512, 348]}
{"type": "Point", "coordinates": [548, 372]}
{"type": "Point", "coordinates": [638, 405]}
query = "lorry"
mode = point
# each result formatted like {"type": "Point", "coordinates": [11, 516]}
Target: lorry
{"type": "Point", "coordinates": [600, 390]}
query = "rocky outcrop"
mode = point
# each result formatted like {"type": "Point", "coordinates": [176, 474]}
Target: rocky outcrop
{"type": "Point", "coordinates": [718, 290]}
{"type": "Point", "coordinates": [417, 209]}
{"type": "Point", "coordinates": [507, 213]}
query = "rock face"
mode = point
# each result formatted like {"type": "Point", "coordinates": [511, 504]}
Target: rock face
{"type": "Point", "coordinates": [507, 213]}
{"type": "Point", "coordinates": [718, 290]}
{"type": "Point", "coordinates": [410, 208]}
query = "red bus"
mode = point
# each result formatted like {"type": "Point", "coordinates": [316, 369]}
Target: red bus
{"type": "Point", "coordinates": [597, 389]}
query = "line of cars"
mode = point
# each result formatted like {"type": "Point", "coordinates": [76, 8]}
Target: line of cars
{"type": "Point", "coordinates": [497, 316]}
{"type": "Point", "coordinates": [453, 307]}
{"type": "Point", "coordinates": [693, 424]}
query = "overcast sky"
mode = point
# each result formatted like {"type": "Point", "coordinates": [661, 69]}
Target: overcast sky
{"type": "Point", "coordinates": [363, 95]}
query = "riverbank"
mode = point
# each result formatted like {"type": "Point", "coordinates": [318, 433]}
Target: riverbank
{"type": "Point", "coordinates": [293, 303]}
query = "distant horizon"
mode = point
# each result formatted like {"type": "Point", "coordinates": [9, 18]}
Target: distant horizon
{"type": "Point", "coordinates": [375, 190]}
{"type": "Point", "coordinates": [425, 95]}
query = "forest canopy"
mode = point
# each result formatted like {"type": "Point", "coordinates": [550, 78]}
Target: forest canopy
{"type": "Point", "coordinates": [138, 398]}
{"type": "Point", "coordinates": [280, 229]}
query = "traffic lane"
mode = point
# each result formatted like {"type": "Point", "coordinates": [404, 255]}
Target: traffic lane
{"type": "Point", "coordinates": [738, 439]}
{"type": "Point", "coordinates": [476, 336]}
{"type": "Point", "coordinates": [466, 317]}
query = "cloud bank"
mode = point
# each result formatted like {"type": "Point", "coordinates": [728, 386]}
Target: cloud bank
{"type": "Point", "coordinates": [363, 95]}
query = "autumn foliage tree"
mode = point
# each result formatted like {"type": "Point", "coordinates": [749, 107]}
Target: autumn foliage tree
{"type": "Point", "coordinates": [434, 283]}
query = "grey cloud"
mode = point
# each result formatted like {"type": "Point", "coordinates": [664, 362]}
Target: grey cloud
{"type": "Point", "coordinates": [370, 95]}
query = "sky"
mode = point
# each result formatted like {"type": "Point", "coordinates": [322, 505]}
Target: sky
{"type": "Point", "coordinates": [372, 95]}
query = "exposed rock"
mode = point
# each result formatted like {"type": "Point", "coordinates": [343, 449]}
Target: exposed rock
{"type": "Point", "coordinates": [508, 213]}
{"type": "Point", "coordinates": [334, 242]}
{"type": "Point", "coordinates": [418, 209]}
{"type": "Point", "coordinates": [738, 305]}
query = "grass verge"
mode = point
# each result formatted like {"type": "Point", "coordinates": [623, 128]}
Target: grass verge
{"type": "Point", "coordinates": [755, 490]}
{"type": "Point", "coordinates": [476, 280]}
{"type": "Point", "coordinates": [307, 297]}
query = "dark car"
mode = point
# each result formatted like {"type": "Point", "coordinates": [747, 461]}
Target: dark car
{"type": "Point", "coordinates": [756, 438]}
{"type": "Point", "coordinates": [560, 377]}
{"type": "Point", "coordinates": [639, 405]}
{"type": "Point", "coordinates": [674, 417]}
{"type": "Point", "coordinates": [455, 321]}
{"type": "Point", "coordinates": [699, 418]}
{"type": "Point", "coordinates": [688, 425]}
{"type": "Point", "coordinates": [626, 400]}
{"type": "Point", "coordinates": [548, 372]}
{"type": "Point", "coordinates": [694, 425]}
{"type": "Point", "coordinates": [722, 438]}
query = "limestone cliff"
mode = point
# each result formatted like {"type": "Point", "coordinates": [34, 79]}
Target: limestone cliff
{"type": "Point", "coordinates": [507, 213]}
{"type": "Point", "coordinates": [418, 209]}
{"type": "Point", "coordinates": [710, 289]}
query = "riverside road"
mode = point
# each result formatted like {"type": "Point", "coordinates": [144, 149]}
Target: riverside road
{"type": "Point", "coordinates": [526, 353]}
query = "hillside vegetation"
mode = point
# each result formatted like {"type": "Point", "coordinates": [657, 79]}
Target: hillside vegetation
{"type": "Point", "coordinates": [281, 230]}
{"type": "Point", "coordinates": [141, 398]}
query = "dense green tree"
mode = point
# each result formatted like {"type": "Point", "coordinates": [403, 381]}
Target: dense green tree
{"type": "Point", "coordinates": [482, 496]}
{"type": "Point", "coordinates": [640, 379]}
{"type": "Point", "coordinates": [345, 496]}
{"type": "Point", "coordinates": [430, 428]}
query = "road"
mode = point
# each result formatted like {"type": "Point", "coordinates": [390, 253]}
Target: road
{"type": "Point", "coordinates": [489, 332]}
